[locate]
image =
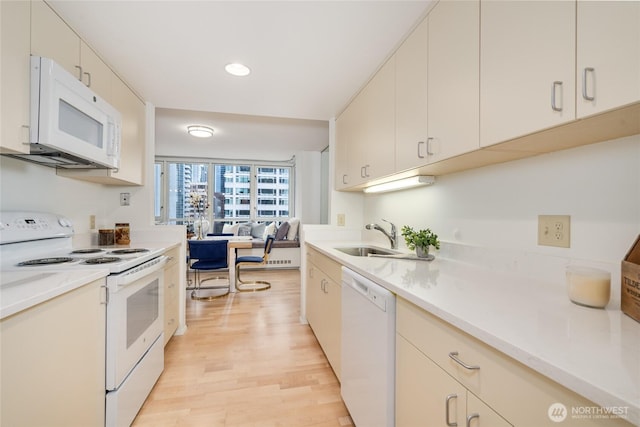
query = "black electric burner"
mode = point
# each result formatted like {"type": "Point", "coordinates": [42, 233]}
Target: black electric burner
{"type": "Point", "coordinates": [46, 261]}
{"type": "Point", "coordinates": [102, 260]}
{"type": "Point", "coordinates": [128, 251]}
{"type": "Point", "coordinates": [87, 251]}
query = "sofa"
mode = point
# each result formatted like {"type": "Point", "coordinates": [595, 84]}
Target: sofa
{"type": "Point", "coordinates": [285, 252]}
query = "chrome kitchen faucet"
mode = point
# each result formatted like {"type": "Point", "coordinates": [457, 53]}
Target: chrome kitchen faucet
{"type": "Point", "coordinates": [393, 236]}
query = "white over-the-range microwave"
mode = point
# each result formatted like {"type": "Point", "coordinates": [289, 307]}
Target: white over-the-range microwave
{"type": "Point", "coordinates": [71, 127]}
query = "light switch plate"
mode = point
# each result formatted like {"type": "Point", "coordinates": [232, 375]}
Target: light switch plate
{"type": "Point", "coordinates": [341, 219]}
{"type": "Point", "coordinates": [554, 230]}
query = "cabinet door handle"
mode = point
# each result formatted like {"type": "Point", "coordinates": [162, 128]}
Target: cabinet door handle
{"type": "Point", "coordinates": [79, 72]}
{"type": "Point", "coordinates": [585, 73]}
{"type": "Point", "coordinates": [420, 155]}
{"type": "Point", "coordinates": [446, 410]}
{"type": "Point", "coordinates": [88, 79]}
{"type": "Point", "coordinates": [430, 141]}
{"type": "Point", "coordinates": [471, 417]}
{"type": "Point", "coordinates": [106, 295]}
{"type": "Point", "coordinates": [454, 356]}
{"type": "Point", "coordinates": [362, 172]}
{"type": "Point", "coordinates": [344, 179]}
{"type": "Point", "coordinates": [554, 96]}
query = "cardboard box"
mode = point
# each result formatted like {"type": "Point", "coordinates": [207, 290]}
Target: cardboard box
{"type": "Point", "coordinates": [630, 303]}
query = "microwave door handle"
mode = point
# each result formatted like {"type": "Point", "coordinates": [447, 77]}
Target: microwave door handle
{"type": "Point", "coordinates": [114, 142]}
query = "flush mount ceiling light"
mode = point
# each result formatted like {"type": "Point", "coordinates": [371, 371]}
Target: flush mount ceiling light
{"type": "Point", "coordinates": [200, 131]}
{"type": "Point", "coordinates": [237, 69]}
{"type": "Point", "coordinates": [401, 184]}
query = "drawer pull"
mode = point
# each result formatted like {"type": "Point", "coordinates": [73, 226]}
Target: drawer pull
{"type": "Point", "coordinates": [454, 356]}
{"type": "Point", "coordinates": [446, 410]}
{"type": "Point", "coordinates": [471, 417]}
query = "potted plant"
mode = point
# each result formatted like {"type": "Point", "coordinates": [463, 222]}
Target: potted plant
{"type": "Point", "coordinates": [420, 240]}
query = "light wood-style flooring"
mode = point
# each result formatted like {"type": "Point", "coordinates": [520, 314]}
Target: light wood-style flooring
{"type": "Point", "coordinates": [246, 360]}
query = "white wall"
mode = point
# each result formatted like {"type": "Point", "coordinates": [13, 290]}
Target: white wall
{"type": "Point", "coordinates": [497, 206]}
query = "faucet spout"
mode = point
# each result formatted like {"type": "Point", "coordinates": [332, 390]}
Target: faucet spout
{"type": "Point", "coordinates": [392, 236]}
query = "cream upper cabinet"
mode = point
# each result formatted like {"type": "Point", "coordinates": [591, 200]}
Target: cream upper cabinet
{"type": "Point", "coordinates": [453, 79]}
{"type": "Point", "coordinates": [371, 123]}
{"type": "Point", "coordinates": [411, 99]}
{"type": "Point", "coordinates": [608, 55]}
{"type": "Point", "coordinates": [14, 76]}
{"type": "Point", "coordinates": [437, 86]}
{"type": "Point", "coordinates": [95, 73]}
{"type": "Point", "coordinates": [344, 131]}
{"type": "Point", "coordinates": [51, 37]}
{"type": "Point", "coordinates": [527, 67]}
{"type": "Point", "coordinates": [132, 149]}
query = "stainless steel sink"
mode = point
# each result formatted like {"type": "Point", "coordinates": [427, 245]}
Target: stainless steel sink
{"type": "Point", "coordinates": [365, 251]}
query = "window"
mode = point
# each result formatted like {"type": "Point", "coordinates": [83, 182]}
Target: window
{"type": "Point", "coordinates": [234, 192]}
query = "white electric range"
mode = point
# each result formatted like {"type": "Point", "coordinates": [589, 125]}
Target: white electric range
{"type": "Point", "coordinates": [37, 254]}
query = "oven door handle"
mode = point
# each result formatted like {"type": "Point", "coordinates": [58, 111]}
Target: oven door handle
{"type": "Point", "coordinates": [140, 271]}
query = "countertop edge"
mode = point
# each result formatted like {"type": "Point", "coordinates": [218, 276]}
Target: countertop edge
{"type": "Point", "coordinates": [84, 277]}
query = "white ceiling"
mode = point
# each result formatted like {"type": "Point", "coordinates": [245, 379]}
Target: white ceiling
{"type": "Point", "coordinates": [308, 58]}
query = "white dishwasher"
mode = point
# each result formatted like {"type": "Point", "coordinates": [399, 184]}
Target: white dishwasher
{"type": "Point", "coordinates": [368, 351]}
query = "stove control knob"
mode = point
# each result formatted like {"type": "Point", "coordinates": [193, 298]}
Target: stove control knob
{"type": "Point", "coordinates": [65, 222]}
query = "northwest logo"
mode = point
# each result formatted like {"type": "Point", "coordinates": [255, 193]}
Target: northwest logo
{"type": "Point", "coordinates": [557, 412]}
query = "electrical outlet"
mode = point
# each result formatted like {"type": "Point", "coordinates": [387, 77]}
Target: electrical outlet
{"type": "Point", "coordinates": [124, 199]}
{"type": "Point", "coordinates": [554, 230]}
{"type": "Point", "coordinates": [341, 219]}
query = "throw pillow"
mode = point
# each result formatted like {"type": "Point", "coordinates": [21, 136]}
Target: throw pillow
{"type": "Point", "coordinates": [244, 230]}
{"type": "Point", "coordinates": [257, 230]}
{"type": "Point", "coordinates": [281, 234]}
{"type": "Point", "coordinates": [294, 224]}
{"type": "Point", "coordinates": [230, 229]}
{"type": "Point", "coordinates": [269, 230]}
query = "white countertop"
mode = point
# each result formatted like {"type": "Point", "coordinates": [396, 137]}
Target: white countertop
{"type": "Point", "coordinates": [594, 352]}
{"type": "Point", "coordinates": [20, 290]}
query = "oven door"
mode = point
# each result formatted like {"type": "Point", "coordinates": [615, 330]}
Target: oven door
{"type": "Point", "coordinates": [134, 318]}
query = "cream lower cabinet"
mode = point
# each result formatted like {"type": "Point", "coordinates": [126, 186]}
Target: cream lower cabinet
{"type": "Point", "coordinates": [500, 389]}
{"type": "Point", "coordinates": [427, 396]}
{"type": "Point", "coordinates": [53, 361]}
{"type": "Point", "coordinates": [171, 294]}
{"type": "Point", "coordinates": [324, 304]}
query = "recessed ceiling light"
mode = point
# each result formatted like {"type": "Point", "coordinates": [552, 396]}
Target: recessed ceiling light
{"type": "Point", "coordinates": [200, 131]}
{"type": "Point", "coordinates": [237, 69]}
